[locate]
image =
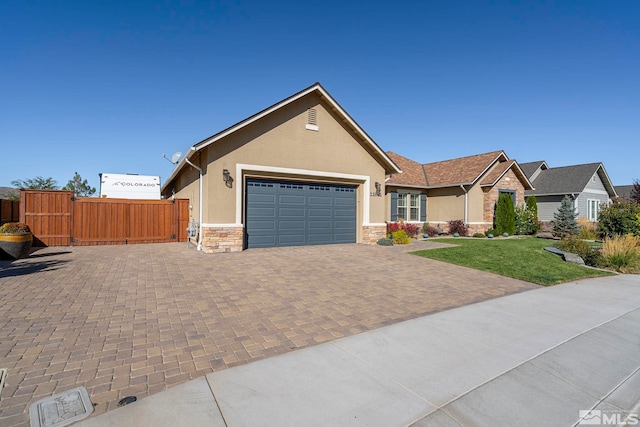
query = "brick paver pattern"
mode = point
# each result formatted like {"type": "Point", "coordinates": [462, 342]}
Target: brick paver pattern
{"type": "Point", "coordinates": [138, 319]}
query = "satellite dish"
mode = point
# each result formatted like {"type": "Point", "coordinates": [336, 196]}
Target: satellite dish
{"type": "Point", "coordinates": [176, 157]}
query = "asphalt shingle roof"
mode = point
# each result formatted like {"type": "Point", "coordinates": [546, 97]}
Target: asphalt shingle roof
{"type": "Point", "coordinates": [564, 180]}
{"type": "Point", "coordinates": [463, 170]}
{"type": "Point", "coordinates": [529, 168]}
{"type": "Point", "coordinates": [412, 171]}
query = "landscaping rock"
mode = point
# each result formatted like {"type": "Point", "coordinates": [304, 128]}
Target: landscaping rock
{"type": "Point", "coordinates": [567, 256]}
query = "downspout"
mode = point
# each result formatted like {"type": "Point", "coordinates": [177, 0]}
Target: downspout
{"type": "Point", "coordinates": [186, 159]}
{"type": "Point", "coordinates": [466, 204]}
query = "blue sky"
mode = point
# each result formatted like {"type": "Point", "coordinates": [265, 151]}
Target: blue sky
{"type": "Point", "coordinates": [109, 86]}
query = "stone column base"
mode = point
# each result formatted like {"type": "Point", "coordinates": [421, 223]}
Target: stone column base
{"type": "Point", "coordinates": [222, 239]}
{"type": "Point", "coordinates": [372, 233]}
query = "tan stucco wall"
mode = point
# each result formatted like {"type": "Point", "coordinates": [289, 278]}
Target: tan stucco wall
{"type": "Point", "coordinates": [475, 207]}
{"type": "Point", "coordinates": [281, 140]}
{"type": "Point", "coordinates": [445, 204]}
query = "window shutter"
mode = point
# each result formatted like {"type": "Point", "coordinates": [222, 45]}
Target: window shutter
{"type": "Point", "coordinates": [423, 207]}
{"type": "Point", "coordinates": [394, 205]}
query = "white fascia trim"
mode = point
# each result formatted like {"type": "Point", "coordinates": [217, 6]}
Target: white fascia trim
{"type": "Point", "coordinates": [373, 224]}
{"type": "Point", "coordinates": [240, 168]}
{"type": "Point", "coordinates": [222, 225]}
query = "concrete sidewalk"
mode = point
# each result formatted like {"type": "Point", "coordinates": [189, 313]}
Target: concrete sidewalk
{"type": "Point", "coordinates": [529, 359]}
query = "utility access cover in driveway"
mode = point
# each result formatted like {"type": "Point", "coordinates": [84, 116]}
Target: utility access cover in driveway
{"type": "Point", "coordinates": [61, 409]}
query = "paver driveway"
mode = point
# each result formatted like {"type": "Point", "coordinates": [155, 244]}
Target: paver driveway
{"type": "Point", "coordinates": [135, 320]}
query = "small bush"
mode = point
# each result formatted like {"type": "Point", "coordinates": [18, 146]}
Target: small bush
{"type": "Point", "coordinates": [575, 245]}
{"type": "Point", "coordinates": [400, 237]}
{"type": "Point", "coordinates": [430, 231]}
{"type": "Point", "coordinates": [479, 235]}
{"type": "Point", "coordinates": [458, 226]}
{"type": "Point", "coordinates": [410, 229]}
{"type": "Point", "coordinates": [622, 253]}
{"type": "Point", "coordinates": [385, 242]}
{"type": "Point", "coordinates": [588, 229]}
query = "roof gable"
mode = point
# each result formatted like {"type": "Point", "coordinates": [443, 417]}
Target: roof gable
{"type": "Point", "coordinates": [531, 169]}
{"type": "Point", "coordinates": [461, 171]}
{"type": "Point", "coordinates": [317, 88]}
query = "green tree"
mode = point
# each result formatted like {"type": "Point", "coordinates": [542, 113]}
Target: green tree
{"type": "Point", "coordinates": [564, 221]}
{"type": "Point", "coordinates": [635, 191]}
{"type": "Point", "coordinates": [505, 217]}
{"type": "Point", "coordinates": [37, 183]}
{"type": "Point", "coordinates": [79, 186]}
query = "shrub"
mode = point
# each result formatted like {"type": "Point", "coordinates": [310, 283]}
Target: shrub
{"type": "Point", "coordinates": [505, 221]}
{"type": "Point", "coordinates": [564, 221]}
{"type": "Point", "coordinates": [400, 237]}
{"type": "Point", "coordinates": [410, 229]}
{"type": "Point", "coordinates": [490, 231]}
{"type": "Point", "coordinates": [525, 222]}
{"type": "Point", "coordinates": [575, 245]}
{"type": "Point", "coordinates": [430, 231]}
{"type": "Point", "coordinates": [385, 242]}
{"type": "Point", "coordinates": [532, 206]}
{"type": "Point", "coordinates": [588, 229]}
{"type": "Point", "coordinates": [479, 235]}
{"type": "Point", "coordinates": [458, 226]}
{"type": "Point", "coordinates": [622, 253]}
{"type": "Point", "coordinates": [619, 218]}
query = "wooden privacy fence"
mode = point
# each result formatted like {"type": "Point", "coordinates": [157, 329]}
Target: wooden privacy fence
{"type": "Point", "coordinates": [57, 218]}
{"type": "Point", "coordinates": [9, 211]}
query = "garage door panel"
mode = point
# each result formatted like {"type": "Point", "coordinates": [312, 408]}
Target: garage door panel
{"type": "Point", "coordinates": [319, 225]}
{"type": "Point", "coordinates": [261, 198]}
{"type": "Point", "coordinates": [291, 214]}
{"type": "Point", "coordinates": [320, 201]}
{"type": "Point", "coordinates": [284, 226]}
{"type": "Point", "coordinates": [319, 239]}
{"type": "Point", "coordinates": [291, 200]}
{"type": "Point", "coordinates": [320, 213]}
{"type": "Point", "coordinates": [264, 225]}
{"type": "Point", "coordinates": [262, 212]}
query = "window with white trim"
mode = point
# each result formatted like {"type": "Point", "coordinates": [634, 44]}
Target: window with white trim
{"type": "Point", "coordinates": [593, 208]}
{"type": "Point", "coordinates": [409, 206]}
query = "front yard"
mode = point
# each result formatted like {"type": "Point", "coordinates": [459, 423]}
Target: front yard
{"type": "Point", "coordinates": [520, 258]}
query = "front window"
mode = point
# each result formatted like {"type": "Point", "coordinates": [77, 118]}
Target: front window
{"type": "Point", "coordinates": [593, 207]}
{"type": "Point", "coordinates": [409, 206]}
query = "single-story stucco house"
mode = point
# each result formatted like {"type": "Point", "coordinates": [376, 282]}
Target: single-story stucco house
{"type": "Point", "coordinates": [299, 172]}
{"type": "Point", "coordinates": [465, 188]}
{"type": "Point", "coordinates": [588, 185]}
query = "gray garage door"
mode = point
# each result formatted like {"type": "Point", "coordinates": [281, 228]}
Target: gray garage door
{"type": "Point", "coordinates": [283, 213]}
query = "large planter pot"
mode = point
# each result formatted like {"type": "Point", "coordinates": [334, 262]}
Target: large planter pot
{"type": "Point", "coordinates": [14, 246]}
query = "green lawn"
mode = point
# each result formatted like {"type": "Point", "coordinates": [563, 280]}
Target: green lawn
{"type": "Point", "coordinates": [521, 258]}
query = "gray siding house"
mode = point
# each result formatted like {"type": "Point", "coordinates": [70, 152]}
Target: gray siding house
{"type": "Point", "coordinates": [588, 185]}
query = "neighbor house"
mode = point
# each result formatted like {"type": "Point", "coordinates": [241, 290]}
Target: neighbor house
{"type": "Point", "coordinates": [300, 172]}
{"type": "Point", "coordinates": [587, 185]}
{"type": "Point", "coordinates": [465, 188]}
{"type": "Point", "coordinates": [624, 191]}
